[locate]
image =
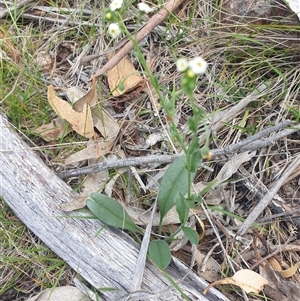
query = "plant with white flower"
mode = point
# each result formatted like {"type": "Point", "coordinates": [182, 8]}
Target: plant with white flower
{"type": "Point", "coordinates": [115, 4]}
{"type": "Point", "coordinates": [182, 64]}
{"type": "Point", "coordinates": [145, 8]}
{"type": "Point", "coordinates": [198, 65]}
{"type": "Point", "coordinates": [114, 30]}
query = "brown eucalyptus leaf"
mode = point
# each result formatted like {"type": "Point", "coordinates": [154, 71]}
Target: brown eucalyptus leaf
{"type": "Point", "coordinates": [94, 150]}
{"type": "Point", "coordinates": [81, 122]}
{"type": "Point", "coordinates": [123, 74]}
{"type": "Point", "coordinates": [54, 130]}
{"type": "Point", "coordinates": [248, 280]}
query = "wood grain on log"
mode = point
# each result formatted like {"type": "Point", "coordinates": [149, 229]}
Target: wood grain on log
{"type": "Point", "coordinates": [107, 260]}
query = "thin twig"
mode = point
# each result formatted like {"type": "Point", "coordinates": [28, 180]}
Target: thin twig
{"type": "Point", "coordinates": [245, 145]}
{"type": "Point", "coordinates": [152, 23]}
{"type": "Point", "coordinates": [264, 202]}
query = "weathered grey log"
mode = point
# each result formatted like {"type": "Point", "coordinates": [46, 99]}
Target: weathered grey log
{"type": "Point", "coordinates": [35, 194]}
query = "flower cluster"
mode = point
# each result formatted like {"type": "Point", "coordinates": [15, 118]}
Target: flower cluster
{"type": "Point", "coordinates": [113, 29]}
{"type": "Point", "coordinates": [196, 66]}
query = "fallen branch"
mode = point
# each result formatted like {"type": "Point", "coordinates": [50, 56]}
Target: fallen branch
{"type": "Point", "coordinates": [255, 142]}
{"type": "Point", "coordinates": [105, 260]}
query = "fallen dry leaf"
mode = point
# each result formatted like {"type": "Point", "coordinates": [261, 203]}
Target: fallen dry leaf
{"type": "Point", "coordinates": [284, 273]}
{"type": "Point", "coordinates": [105, 124]}
{"type": "Point", "coordinates": [81, 122]}
{"type": "Point", "coordinates": [74, 93]}
{"type": "Point", "coordinates": [212, 268]}
{"type": "Point", "coordinates": [94, 150]}
{"type": "Point", "coordinates": [93, 182]}
{"type": "Point", "coordinates": [230, 167]}
{"type": "Point", "coordinates": [248, 280]}
{"type": "Point", "coordinates": [123, 75]}
{"type": "Point", "coordinates": [54, 130]}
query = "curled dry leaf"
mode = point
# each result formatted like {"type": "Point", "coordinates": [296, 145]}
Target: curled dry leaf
{"type": "Point", "coordinates": [105, 124]}
{"type": "Point", "coordinates": [81, 122]}
{"type": "Point", "coordinates": [284, 273]}
{"type": "Point", "coordinates": [123, 75]}
{"type": "Point", "coordinates": [249, 281]}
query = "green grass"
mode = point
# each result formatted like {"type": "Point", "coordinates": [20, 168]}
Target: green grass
{"type": "Point", "coordinates": [26, 263]}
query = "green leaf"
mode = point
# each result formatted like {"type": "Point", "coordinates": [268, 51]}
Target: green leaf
{"type": "Point", "coordinates": [159, 253]}
{"type": "Point", "coordinates": [181, 208]}
{"type": "Point", "coordinates": [193, 125]}
{"type": "Point", "coordinates": [109, 211]}
{"type": "Point", "coordinates": [195, 160]}
{"type": "Point", "coordinates": [175, 180]}
{"type": "Point", "coordinates": [191, 234]}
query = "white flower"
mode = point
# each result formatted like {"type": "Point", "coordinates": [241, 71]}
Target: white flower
{"type": "Point", "coordinates": [198, 65]}
{"type": "Point", "coordinates": [114, 30]}
{"type": "Point", "coordinates": [145, 8]}
{"type": "Point", "coordinates": [115, 4]}
{"type": "Point", "coordinates": [181, 64]}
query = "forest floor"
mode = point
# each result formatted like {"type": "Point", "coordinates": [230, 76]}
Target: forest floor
{"type": "Point", "coordinates": [249, 97]}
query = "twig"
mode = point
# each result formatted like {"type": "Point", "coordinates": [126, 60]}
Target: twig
{"type": "Point", "coordinates": [162, 159]}
{"type": "Point", "coordinates": [109, 164]}
{"type": "Point", "coordinates": [247, 144]}
{"type": "Point", "coordinates": [268, 197]}
{"type": "Point", "coordinates": [16, 6]}
{"type": "Point", "coordinates": [152, 23]}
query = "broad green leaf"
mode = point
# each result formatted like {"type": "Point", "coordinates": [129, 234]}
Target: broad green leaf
{"type": "Point", "coordinates": [181, 208]}
{"type": "Point", "coordinates": [159, 253]}
{"type": "Point", "coordinates": [191, 234]}
{"type": "Point", "coordinates": [175, 180]}
{"type": "Point", "coordinates": [109, 211]}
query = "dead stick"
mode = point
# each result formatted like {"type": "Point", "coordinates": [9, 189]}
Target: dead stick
{"type": "Point", "coordinates": [153, 22]}
{"type": "Point", "coordinates": [163, 159]}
